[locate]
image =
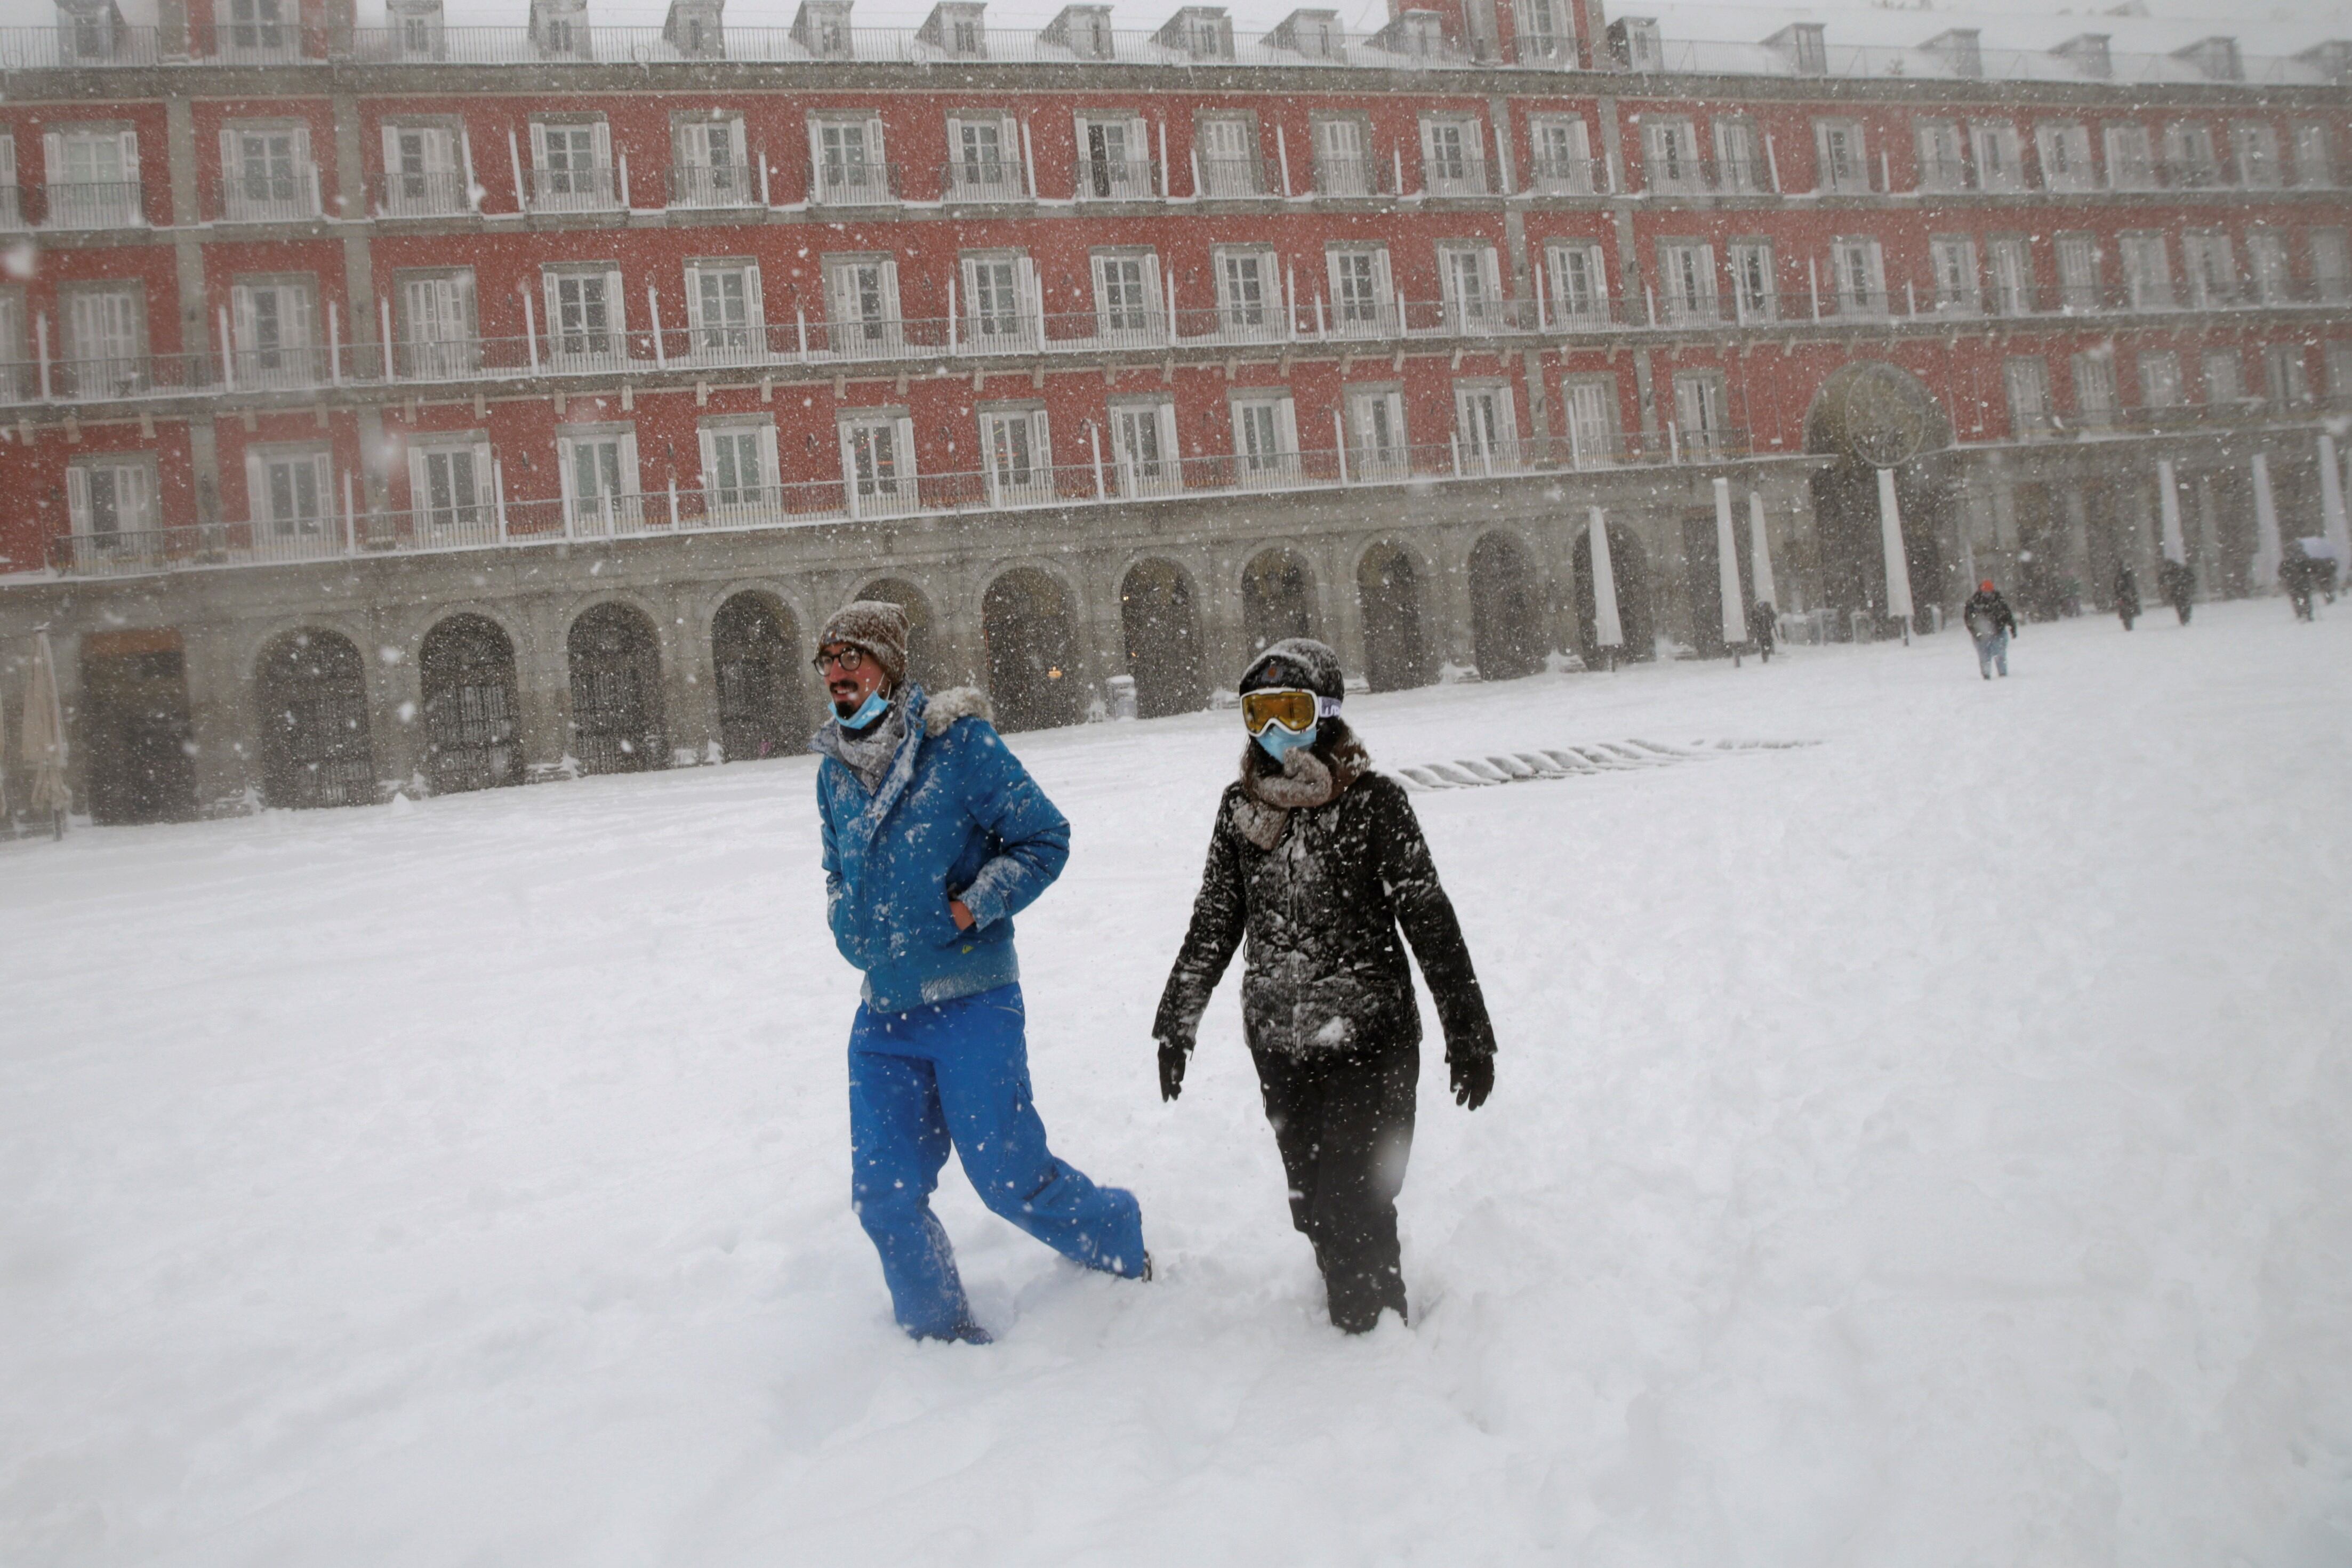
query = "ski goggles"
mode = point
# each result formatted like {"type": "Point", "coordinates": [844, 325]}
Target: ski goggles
{"type": "Point", "coordinates": [1294, 710]}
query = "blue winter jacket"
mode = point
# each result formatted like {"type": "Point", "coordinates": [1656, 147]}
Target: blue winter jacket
{"type": "Point", "coordinates": [956, 816]}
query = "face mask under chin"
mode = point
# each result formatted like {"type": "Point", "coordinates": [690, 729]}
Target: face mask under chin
{"type": "Point", "coordinates": [875, 705]}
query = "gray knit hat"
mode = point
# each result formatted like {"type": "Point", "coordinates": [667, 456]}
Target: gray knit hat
{"type": "Point", "coordinates": [874, 625]}
{"type": "Point", "coordinates": [1299, 661]}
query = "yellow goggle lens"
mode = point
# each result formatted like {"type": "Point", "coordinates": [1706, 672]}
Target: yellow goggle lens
{"type": "Point", "coordinates": [1294, 710]}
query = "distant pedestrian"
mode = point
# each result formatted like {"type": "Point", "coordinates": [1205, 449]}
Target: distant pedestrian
{"type": "Point", "coordinates": [1762, 620]}
{"type": "Point", "coordinates": [1317, 861]}
{"type": "Point", "coordinates": [1992, 623]}
{"type": "Point", "coordinates": [935, 836]}
{"type": "Point", "coordinates": [2299, 575]}
{"type": "Point", "coordinates": [2126, 596]}
{"type": "Point", "coordinates": [2177, 583]}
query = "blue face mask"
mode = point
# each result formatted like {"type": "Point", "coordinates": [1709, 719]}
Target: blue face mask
{"type": "Point", "coordinates": [875, 705]}
{"type": "Point", "coordinates": [1278, 741]}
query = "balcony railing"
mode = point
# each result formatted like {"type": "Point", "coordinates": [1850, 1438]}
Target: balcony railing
{"type": "Point", "coordinates": [1344, 177]}
{"type": "Point", "coordinates": [98, 205]}
{"type": "Point", "coordinates": [1570, 176]}
{"type": "Point", "coordinates": [854, 184]}
{"type": "Point", "coordinates": [1458, 177]}
{"type": "Point", "coordinates": [208, 43]}
{"type": "Point", "coordinates": [593, 188]}
{"type": "Point", "coordinates": [1236, 179]}
{"type": "Point", "coordinates": [981, 180]}
{"type": "Point", "coordinates": [435, 196]}
{"type": "Point", "coordinates": [1119, 180]}
{"type": "Point", "coordinates": [703, 185]}
{"type": "Point", "coordinates": [288, 196]}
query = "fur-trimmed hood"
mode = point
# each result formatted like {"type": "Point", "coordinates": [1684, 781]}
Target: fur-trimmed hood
{"type": "Point", "coordinates": [955, 703]}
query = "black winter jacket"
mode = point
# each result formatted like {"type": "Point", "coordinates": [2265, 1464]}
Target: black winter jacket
{"type": "Point", "coordinates": [1325, 971]}
{"type": "Point", "coordinates": [1986, 614]}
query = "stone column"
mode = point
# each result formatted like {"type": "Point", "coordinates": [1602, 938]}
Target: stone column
{"type": "Point", "coordinates": [1447, 601]}
{"type": "Point", "coordinates": [395, 702]}
{"type": "Point", "coordinates": [1341, 612]}
{"type": "Point", "coordinates": [221, 718]}
{"type": "Point", "coordinates": [689, 684]}
{"type": "Point", "coordinates": [542, 685]}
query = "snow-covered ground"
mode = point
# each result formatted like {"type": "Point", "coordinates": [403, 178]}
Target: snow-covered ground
{"type": "Point", "coordinates": [1927, 1148]}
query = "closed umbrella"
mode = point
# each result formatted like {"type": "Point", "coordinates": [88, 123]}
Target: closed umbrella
{"type": "Point", "coordinates": [43, 746]}
{"type": "Point", "coordinates": [1607, 632]}
{"type": "Point", "coordinates": [1760, 548]}
{"type": "Point", "coordinates": [2167, 502]}
{"type": "Point", "coordinates": [1890, 542]}
{"type": "Point", "coordinates": [2331, 502]}
{"type": "Point", "coordinates": [1727, 562]}
{"type": "Point", "coordinates": [2268, 552]}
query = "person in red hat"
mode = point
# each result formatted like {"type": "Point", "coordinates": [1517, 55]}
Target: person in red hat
{"type": "Point", "coordinates": [1992, 623]}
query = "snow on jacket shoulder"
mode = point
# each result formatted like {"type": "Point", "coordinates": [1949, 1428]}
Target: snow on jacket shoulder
{"type": "Point", "coordinates": [1321, 910]}
{"type": "Point", "coordinates": [956, 816]}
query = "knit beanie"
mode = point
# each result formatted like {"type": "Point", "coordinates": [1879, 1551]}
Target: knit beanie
{"type": "Point", "coordinates": [1300, 663]}
{"type": "Point", "coordinates": [874, 625]}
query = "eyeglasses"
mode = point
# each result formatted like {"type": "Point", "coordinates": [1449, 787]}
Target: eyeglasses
{"type": "Point", "coordinates": [1294, 710]}
{"type": "Point", "coordinates": [851, 658]}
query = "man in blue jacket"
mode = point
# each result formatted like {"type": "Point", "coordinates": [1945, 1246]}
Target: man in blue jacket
{"type": "Point", "coordinates": [935, 836]}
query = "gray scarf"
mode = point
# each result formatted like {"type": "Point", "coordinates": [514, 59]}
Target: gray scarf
{"type": "Point", "coordinates": [867, 753]}
{"type": "Point", "coordinates": [1305, 782]}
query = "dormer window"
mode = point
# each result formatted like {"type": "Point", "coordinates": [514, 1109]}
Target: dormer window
{"type": "Point", "coordinates": [559, 28]}
{"type": "Point", "coordinates": [2218, 59]}
{"type": "Point", "coordinates": [1806, 46]}
{"type": "Point", "coordinates": [416, 28]}
{"type": "Point", "coordinates": [822, 27]}
{"type": "Point", "coordinates": [694, 28]}
{"type": "Point", "coordinates": [1199, 32]}
{"type": "Point", "coordinates": [1419, 34]}
{"type": "Point", "coordinates": [1316, 35]}
{"type": "Point", "coordinates": [256, 29]}
{"type": "Point", "coordinates": [1634, 44]}
{"type": "Point", "coordinates": [89, 30]}
{"type": "Point", "coordinates": [1084, 30]}
{"type": "Point", "coordinates": [956, 28]}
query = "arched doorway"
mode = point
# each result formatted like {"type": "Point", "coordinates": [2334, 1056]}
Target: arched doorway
{"type": "Point", "coordinates": [315, 748]}
{"type": "Point", "coordinates": [1865, 412]}
{"type": "Point", "coordinates": [138, 741]}
{"type": "Point", "coordinates": [921, 634]}
{"type": "Point", "coordinates": [1277, 598]}
{"type": "Point", "coordinates": [1163, 639]}
{"type": "Point", "coordinates": [1629, 570]}
{"type": "Point", "coordinates": [754, 648]}
{"type": "Point", "coordinates": [1387, 587]}
{"type": "Point", "coordinates": [1032, 682]}
{"type": "Point", "coordinates": [472, 713]}
{"type": "Point", "coordinates": [1505, 629]}
{"type": "Point", "coordinates": [616, 701]}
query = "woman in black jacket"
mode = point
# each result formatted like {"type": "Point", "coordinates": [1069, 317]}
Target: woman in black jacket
{"type": "Point", "coordinates": [1318, 859]}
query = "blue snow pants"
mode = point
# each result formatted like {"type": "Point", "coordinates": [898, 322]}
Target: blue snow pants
{"type": "Point", "coordinates": [958, 1072]}
{"type": "Point", "coordinates": [1990, 650]}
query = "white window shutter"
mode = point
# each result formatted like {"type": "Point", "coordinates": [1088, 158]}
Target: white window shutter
{"type": "Point", "coordinates": [1490, 266]}
{"type": "Point", "coordinates": [874, 139]}
{"type": "Point", "coordinates": [754, 305]}
{"type": "Point", "coordinates": [484, 490]}
{"type": "Point", "coordinates": [1287, 421]}
{"type": "Point", "coordinates": [816, 176]}
{"type": "Point", "coordinates": [78, 499]}
{"type": "Point", "coordinates": [601, 139]}
{"type": "Point", "coordinates": [617, 303]}
{"type": "Point", "coordinates": [294, 305]}
{"type": "Point", "coordinates": [1024, 271]}
{"type": "Point", "coordinates": [1041, 444]}
{"type": "Point", "coordinates": [1168, 431]}
{"type": "Point", "coordinates": [552, 321]}
{"type": "Point", "coordinates": [53, 158]}
{"type": "Point", "coordinates": [391, 148]}
{"type": "Point", "coordinates": [906, 440]}
{"type": "Point", "coordinates": [134, 504]}
{"type": "Point", "coordinates": [770, 468]}
{"type": "Point", "coordinates": [461, 298]}
{"type": "Point", "coordinates": [735, 140]}
{"type": "Point", "coordinates": [257, 492]}
{"type": "Point", "coordinates": [302, 146]}
{"type": "Point", "coordinates": [890, 288]}
{"type": "Point", "coordinates": [240, 297]}
{"type": "Point", "coordinates": [228, 155]}
{"type": "Point", "coordinates": [563, 461]}
{"type": "Point", "coordinates": [420, 489]}
{"type": "Point", "coordinates": [693, 299]}
{"type": "Point", "coordinates": [538, 146]}
{"type": "Point", "coordinates": [632, 481]}
{"type": "Point", "coordinates": [708, 443]}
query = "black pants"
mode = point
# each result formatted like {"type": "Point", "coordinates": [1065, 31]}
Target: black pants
{"type": "Point", "coordinates": [1344, 1124]}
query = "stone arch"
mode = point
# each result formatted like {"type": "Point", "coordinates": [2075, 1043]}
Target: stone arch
{"type": "Point", "coordinates": [614, 654]}
{"type": "Point", "coordinates": [473, 706]}
{"type": "Point", "coordinates": [754, 660]}
{"type": "Point", "coordinates": [1026, 617]}
{"type": "Point", "coordinates": [1277, 598]}
{"type": "Point", "coordinates": [1629, 566]}
{"type": "Point", "coordinates": [1865, 412]}
{"type": "Point", "coordinates": [922, 625]}
{"type": "Point", "coordinates": [1390, 589]}
{"type": "Point", "coordinates": [1158, 614]}
{"type": "Point", "coordinates": [312, 689]}
{"type": "Point", "coordinates": [1506, 619]}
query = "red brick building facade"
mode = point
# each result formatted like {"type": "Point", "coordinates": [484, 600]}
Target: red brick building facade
{"type": "Point", "coordinates": [499, 402]}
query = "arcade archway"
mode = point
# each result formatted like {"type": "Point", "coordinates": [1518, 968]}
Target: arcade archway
{"type": "Point", "coordinates": [472, 711]}
{"type": "Point", "coordinates": [1033, 681]}
{"type": "Point", "coordinates": [1629, 572]}
{"type": "Point", "coordinates": [1163, 639]}
{"type": "Point", "coordinates": [137, 737]}
{"type": "Point", "coordinates": [761, 711]}
{"type": "Point", "coordinates": [1396, 648]}
{"type": "Point", "coordinates": [1506, 632]}
{"type": "Point", "coordinates": [616, 700]}
{"type": "Point", "coordinates": [1863, 413]}
{"type": "Point", "coordinates": [1277, 598]}
{"type": "Point", "coordinates": [315, 748]}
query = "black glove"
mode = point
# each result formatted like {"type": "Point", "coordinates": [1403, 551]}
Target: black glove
{"type": "Point", "coordinates": [1472, 1075]}
{"type": "Point", "coordinates": [1172, 1055]}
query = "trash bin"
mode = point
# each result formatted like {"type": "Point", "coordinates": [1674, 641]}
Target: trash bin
{"type": "Point", "coordinates": [1122, 696]}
